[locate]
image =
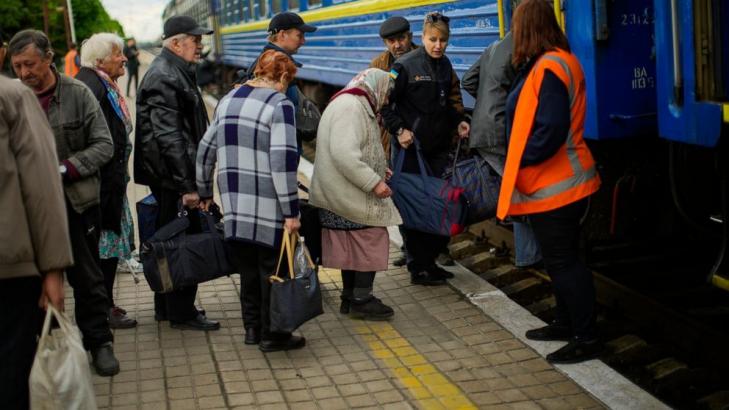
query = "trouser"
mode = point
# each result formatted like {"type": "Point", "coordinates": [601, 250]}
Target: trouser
{"type": "Point", "coordinates": [178, 305]}
{"type": "Point", "coordinates": [423, 248]}
{"type": "Point", "coordinates": [108, 268]}
{"type": "Point", "coordinates": [86, 279]}
{"type": "Point", "coordinates": [20, 322]}
{"type": "Point", "coordinates": [558, 233]}
{"type": "Point", "coordinates": [135, 75]}
{"type": "Point", "coordinates": [357, 285]}
{"type": "Point", "coordinates": [256, 263]}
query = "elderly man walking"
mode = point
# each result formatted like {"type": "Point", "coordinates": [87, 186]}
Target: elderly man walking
{"type": "Point", "coordinates": [83, 146]}
{"type": "Point", "coordinates": [36, 247]}
{"type": "Point", "coordinates": [102, 63]}
{"type": "Point", "coordinates": [171, 120]}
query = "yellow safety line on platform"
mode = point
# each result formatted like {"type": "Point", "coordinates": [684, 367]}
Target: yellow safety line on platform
{"type": "Point", "coordinates": [426, 384]}
{"type": "Point", "coordinates": [339, 11]}
{"type": "Point", "coordinates": [726, 112]}
{"type": "Point", "coordinates": [502, 27]}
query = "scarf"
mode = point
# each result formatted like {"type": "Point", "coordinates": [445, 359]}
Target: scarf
{"type": "Point", "coordinates": [115, 98]}
{"type": "Point", "coordinates": [372, 83]}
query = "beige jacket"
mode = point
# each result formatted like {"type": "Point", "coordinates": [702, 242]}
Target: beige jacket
{"type": "Point", "coordinates": [350, 162]}
{"type": "Point", "coordinates": [33, 223]}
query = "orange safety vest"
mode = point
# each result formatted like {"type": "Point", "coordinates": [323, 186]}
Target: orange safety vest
{"type": "Point", "coordinates": [70, 68]}
{"type": "Point", "coordinates": [570, 174]}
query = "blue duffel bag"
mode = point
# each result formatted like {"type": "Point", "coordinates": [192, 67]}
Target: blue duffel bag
{"type": "Point", "coordinates": [480, 182]}
{"type": "Point", "coordinates": [427, 203]}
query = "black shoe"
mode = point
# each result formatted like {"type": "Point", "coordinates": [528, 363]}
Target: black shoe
{"type": "Point", "coordinates": [344, 306]}
{"type": "Point", "coordinates": [104, 360]}
{"type": "Point", "coordinates": [437, 271]}
{"type": "Point", "coordinates": [539, 265]}
{"type": "Point", "coordinates": [253, 336]}
{"type": "Point", "coordinates": [293, 342]}
{"type": "Point", "coordinates": [550, 332]}
{"type": "Point", "coordinates": [371, 309]}
{"type": "Point", "coordinates": [200, 322]}
{"type": "Point", "coordinates": [445, 259]}
{"type": "Point", "coordinates": [426, 279]}
{"type": "Point", "coordinates": [161, 317]}
{"type": "Point", "coordinates": [401, 261]}
{"type": "Point", "coordinates": [576, 351]}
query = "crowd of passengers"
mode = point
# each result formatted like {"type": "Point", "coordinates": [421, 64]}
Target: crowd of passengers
{"type": "Point", "coordinates": [527, 123]}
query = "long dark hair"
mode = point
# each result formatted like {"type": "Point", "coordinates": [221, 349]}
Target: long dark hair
{"type": "Point", "coordinates": [535, 30]}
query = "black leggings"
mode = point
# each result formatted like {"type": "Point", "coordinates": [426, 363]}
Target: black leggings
{"type": "Point", "coordinates": [357, 285]}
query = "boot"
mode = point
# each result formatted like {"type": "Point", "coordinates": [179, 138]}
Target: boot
{"type": "Point", "coordinates": [344, 306]}
{"type": "Point", "coordinates": [104, 360]}
{"type": "Point", "coordinates": [370, 309]}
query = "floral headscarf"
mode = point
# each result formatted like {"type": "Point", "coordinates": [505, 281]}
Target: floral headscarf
{"type": "Point", "coordinates": [374, 83]}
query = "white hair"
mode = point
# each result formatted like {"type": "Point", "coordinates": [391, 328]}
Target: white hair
{"type": "Point", "coordinates": [98, 48]}
{"type": "Point", "coordinates": [166, 43]}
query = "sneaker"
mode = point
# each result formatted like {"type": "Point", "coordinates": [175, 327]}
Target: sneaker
{"type": "Point", "coordinates": [372, 309]}
{"type": "Point", "coordinates": [426, 278]}
{"type": "Point", "coordinates": [118, 319]}
{"type": "Point", "coordinates": [104, 360]}
{"type": "Point", "coordinates": [552, 331]}
{"type": "Point", "coordinates": [445, 259]}
{"type": "Point", "coordinates": [576, 351]}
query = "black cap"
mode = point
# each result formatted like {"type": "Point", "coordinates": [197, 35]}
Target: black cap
{"type": "Point", "coordinates": [184, 25]}
{"type": "Point", "coordinates": [287, 20]}
{"type": "Point", "coordinates": [394, 25]}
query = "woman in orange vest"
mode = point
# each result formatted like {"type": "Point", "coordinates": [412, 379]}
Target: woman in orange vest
{"type": "Point", "coordinates": [550, 173]}
{"type": "Point", "coordinates": [71, 62]}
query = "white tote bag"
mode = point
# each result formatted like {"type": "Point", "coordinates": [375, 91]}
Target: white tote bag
{"type": "Point", "coordinates": [61, 377]}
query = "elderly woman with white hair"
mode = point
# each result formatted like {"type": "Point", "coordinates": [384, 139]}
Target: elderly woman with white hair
{"type": "Point", "coordinates": [102, 63]}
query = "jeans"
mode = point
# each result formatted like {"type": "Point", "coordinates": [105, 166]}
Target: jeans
{"type": "Point", "coordinates": [256, 263]}
{"type": "Point", "coordinates": [20, 324]}
{"type": "Point", "coordinates": [178, 305]}
{"type": "Point", "coordinates": [558, 234]}
{"type": "Point", "coordinates": [526, 246]}
{"type": "Point", "coordinates": [86, 279]}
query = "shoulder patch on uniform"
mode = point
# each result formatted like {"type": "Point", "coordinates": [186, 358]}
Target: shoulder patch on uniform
{"type": "Point", "coordinates": [394, 74]}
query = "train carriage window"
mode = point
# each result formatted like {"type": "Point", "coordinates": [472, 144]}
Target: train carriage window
{"type": "Point", "coordinates": [276, 6]}
{"type": "Point", "coordinates": [293, 5]}
{"type": "Point", "coordinates": [313, 4]}
{"type": "Point", "coordinates": [262, 11]}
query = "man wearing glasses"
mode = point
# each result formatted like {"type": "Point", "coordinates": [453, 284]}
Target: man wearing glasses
{"type": "Point", "coordinates": [171, 120]}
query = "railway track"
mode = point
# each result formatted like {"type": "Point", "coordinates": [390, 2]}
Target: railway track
{"type": "Point", "coordinates": [671, 352]}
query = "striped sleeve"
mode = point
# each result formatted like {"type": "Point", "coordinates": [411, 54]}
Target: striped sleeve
{"type": "Point", "coordinates": [205, 162]}
{"type": "Point", "coordinates": [284, 158]}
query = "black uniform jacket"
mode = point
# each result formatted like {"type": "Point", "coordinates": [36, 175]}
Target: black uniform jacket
{"type": "Point", "coordinates": [426, 90]}
{"type": "Point", "coordinates": [171, 120]}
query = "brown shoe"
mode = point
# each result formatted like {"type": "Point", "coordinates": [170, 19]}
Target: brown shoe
{"type": "Point", "coordinates": [118, 319]}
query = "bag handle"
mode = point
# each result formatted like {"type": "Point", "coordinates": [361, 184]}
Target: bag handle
{"type": "Point", "coordinates": [455, 157]}
{"type": "Point", "coordinates": [286, 248]}
{"type": "Point", "coordinates": [62, 320]}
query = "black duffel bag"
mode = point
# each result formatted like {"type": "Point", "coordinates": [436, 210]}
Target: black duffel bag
{"type": "Point", "coordinates": [173, 258]}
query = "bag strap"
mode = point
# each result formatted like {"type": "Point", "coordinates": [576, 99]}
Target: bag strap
{"type": "Point", "coordinates": [455, 157]}
{"type": "Point", "coordinates": [286, 248]}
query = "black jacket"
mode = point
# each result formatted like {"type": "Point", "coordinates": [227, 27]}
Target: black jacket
{"type": "Point", "coordinates": [427, 90]}
{"type": "Point", "coordinates": [113, 174]}
{"type": "Point", "coordinates": [171, 120]}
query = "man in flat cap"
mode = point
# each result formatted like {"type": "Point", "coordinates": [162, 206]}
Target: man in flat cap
{"type": "Point", "coordinates": [395, 33]}
{"type": "Point", "coordinates": [171, 120]}
{"type": "Point", "coordinates": [286, 33]}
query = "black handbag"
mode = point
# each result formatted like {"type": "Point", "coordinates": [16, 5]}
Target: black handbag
{"type": "Point", "coordinates": [481, 185]}
{"type": "Point", "coordinates": [295, 299]}
{"type": "Point", "coordinates": [173, 258]}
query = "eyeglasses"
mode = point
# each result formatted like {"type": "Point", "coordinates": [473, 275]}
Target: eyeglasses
{"type": "Point", "coordinates": [433, 17]}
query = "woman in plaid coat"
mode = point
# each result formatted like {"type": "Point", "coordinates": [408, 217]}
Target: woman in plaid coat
{"type": "Point", "coordinates": [253, 140]}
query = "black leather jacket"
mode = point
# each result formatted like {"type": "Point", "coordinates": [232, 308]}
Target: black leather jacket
{"type": "Point", "coordinates": [171, 120]}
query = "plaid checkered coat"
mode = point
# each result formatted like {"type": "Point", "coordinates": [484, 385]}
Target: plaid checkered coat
{"type": "Point", "coordinates": [253, 139]}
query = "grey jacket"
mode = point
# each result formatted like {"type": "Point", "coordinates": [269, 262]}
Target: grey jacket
{"type": "Point", "coordinates": [82, 138]}
{"type": "Point", "coordinates": [488, 80]}
{"type": "Point", "coordinates": [33, 223]}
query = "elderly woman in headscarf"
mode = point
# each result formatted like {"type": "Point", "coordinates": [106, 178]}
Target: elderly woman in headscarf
{"type": "Point", "coordinates": [350, 186]}
{"type": "Point", "coordinates": [102, 63]}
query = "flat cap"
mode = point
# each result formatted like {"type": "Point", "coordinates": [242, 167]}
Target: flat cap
{"type": "Point", "coordinates": [394, 25]}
